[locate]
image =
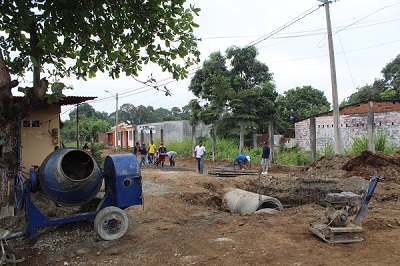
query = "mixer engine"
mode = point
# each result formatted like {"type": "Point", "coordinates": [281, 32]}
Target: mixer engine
{"type": "Point", "coordinates": [341, 206]}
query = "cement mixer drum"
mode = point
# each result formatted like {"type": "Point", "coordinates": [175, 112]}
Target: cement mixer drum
{"type": "Point", "coordinates": [70, 177]}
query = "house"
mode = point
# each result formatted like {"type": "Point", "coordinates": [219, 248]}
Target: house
{"type": "Point", "coordinates": [166, 131]}
{"type": "Point", "coordinates": [40, 131]}
{"type": "Point", "coordinates": [352, 124]}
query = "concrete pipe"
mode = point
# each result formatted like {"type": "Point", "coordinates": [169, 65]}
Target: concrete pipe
{"type": "Point", "coordinates": [245, 202]}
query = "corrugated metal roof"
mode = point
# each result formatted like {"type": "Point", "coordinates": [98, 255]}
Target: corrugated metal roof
{"type": "Point", "coordinates": [66, 100]}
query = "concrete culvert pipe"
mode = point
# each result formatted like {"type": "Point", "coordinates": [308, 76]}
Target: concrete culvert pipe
{"type": "Point", "coordinates": [245, 202]}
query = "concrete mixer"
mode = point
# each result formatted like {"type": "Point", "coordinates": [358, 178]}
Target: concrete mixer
{"type": "Point", "coordinates": [72, 177]}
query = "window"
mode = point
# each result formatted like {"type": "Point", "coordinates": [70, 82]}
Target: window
{"type": "Point", "coordinates": [130, 135]}
{"type": "Point", "coordinates": [30, 123]}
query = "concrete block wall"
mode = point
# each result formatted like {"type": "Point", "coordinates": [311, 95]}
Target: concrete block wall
{"type": "Point", "coordinates": [176, 131]}
{"type": "Point", "coordinates": [351, 126]}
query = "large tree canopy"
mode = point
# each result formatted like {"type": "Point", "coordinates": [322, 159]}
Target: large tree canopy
{"type": "Point", "coordinates": [299, 103]}
{"type": "Point", "coordinates": [79, 38]}
{"type": "Point", "coordinates": [386, 88]}
{"type": "Point", "coordinates": [111, 36]}
{"type": "Point", "coordinates": [242, 94]}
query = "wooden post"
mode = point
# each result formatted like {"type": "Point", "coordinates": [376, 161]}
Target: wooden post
{"type": "Point", "coordinates": [371, 127]}
{"type": "Point", "coordinates": [313, 140]}
{"type": "Point", "coordinates": [271, 141]}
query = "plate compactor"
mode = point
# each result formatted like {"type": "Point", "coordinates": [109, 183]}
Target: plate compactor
{"type": "Point", "coordinates": [72, 177]}
{"type": "Point", "coordinates": [340, 208]}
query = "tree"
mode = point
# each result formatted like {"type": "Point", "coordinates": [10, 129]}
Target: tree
{"type": "Point", "coordinates": [391, 75]}
{"type": "Point", "coordinates": [212, 84]}
{"type": "Point", "coordinates": [81, 37]}
{"type": "Point", "coordinates": [301, 102]}
{"type": "Point", "coordinates": [194, 108]}
{"type": "Point", "coordinates": [368, 92]}
{"type": "Point", "coordinates": [246, 74]}
{"type": "Point", "coordinates": [387, 88]}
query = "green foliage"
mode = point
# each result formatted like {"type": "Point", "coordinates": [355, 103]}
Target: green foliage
{"type": "Point", "coordinates": [293, 156]}
{"type": "Point", "coordinates": [101, 36]}
{"type": "Point", "coordinates": [391, 75]}
{"type": "Point", "coordinates": [381, 144]}
{"type": "Point", "coordinates": [387, 88]}
{"type": "Point", "coordinates": [358, 145]}
{"type": "Point", "coordinates": [329, 148]}
{"type": "Point", "coordinates": [226, 149]}
{"type": "Point", "coordinates": [183, 148]}
{"type": "Point", "coordinates": [381, 139]}
{"type": "Point", "coordinates": [300, 103]}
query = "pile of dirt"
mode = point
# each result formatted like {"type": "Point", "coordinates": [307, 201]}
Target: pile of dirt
{"type": "Point", "coordinates": [387, 166]}
{"type": "Point", "coordinates": [344, 166]}
{"type": "Point", "coordinates": [331, 165]}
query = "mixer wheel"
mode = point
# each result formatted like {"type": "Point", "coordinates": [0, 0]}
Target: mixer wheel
{"type": "Point", "coordinates": [111, 223]}
{"type": "Point", "coordinates": [19, 191]}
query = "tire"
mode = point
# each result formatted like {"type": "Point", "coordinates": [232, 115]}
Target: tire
{"type": "Point", "coordinates": [19, 191]}
{"type": "Point", "coordinates": [111, 223]}
{"type": "Point", "coordinates": [90, 206]}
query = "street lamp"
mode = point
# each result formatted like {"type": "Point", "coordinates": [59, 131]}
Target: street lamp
{"type": "Point", "coordinates": [116, 119]}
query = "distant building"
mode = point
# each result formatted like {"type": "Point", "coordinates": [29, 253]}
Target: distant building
{"type": "Point", "coordinates": [353, 124]}
{"type": "Point", "coordinates": [166, 131]}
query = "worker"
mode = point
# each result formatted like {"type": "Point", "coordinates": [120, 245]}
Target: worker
{"type": "Point", "coordinates": [172, 156]}
{"type": "Point", "coordinates": [242, 161]}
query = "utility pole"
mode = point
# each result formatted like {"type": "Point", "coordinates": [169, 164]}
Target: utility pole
{"type": "Point", "coordinates": [116, 119]}
{"type": "Point", "coordinates": [116, 122]}
{"type": "Point", "coordinates": [335, 101]}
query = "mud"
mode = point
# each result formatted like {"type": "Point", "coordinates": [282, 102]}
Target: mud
{"type": "Point", "coordinates": [184, 220]}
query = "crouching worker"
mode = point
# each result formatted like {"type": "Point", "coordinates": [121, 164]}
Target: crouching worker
{"type": "Point", "coordinates": [172, 156]}
{"type": "Point", "coordinates": [243, 160]}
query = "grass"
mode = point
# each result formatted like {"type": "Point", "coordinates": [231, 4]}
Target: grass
{"type": "Point", "coordinates": [228, 150]}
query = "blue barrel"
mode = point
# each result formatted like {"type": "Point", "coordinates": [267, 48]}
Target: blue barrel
{"type": "Point", "coordinates": [70, 177]}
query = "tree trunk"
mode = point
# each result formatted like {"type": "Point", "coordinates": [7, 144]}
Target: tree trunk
{"type": "Point", "coordinates": [8, 130]}
{"type": "Point", "coordinates": [241, 141]}
{"type": "Point", "coordinates": [271, 141]}
{"type": "Point", "coordinates": [11, 115]}
{"type": "Point", "coordinates": [214, 142]}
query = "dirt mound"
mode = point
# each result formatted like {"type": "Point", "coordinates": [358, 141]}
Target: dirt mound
{"type": "Point", "coordinates": [344, 166]}
{"type": "Point", "coordinates": [387, 166]}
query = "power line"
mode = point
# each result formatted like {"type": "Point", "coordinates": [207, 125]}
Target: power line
{"type": "Point", "coordinates": [301, 16]}
{"type": "Point", "coordinates": [319, 56]}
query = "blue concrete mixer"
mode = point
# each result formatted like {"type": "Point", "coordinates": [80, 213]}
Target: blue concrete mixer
{"type": "Point", "coordinates": [72, 177]}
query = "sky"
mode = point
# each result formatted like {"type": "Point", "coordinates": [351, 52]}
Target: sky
{"type": "Point", "coordinates": [292, 41]}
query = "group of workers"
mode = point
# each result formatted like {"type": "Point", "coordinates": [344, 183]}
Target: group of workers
{"type": "Point", "coordinates": [243, 160]}
{"type": "Point", "coordinates": [151, 154]}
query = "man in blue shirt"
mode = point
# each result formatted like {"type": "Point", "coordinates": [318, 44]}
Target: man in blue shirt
{"type": "Point", "coordinates": [143, 155]}
{"type": "Point", "coordinates": [243, 160]}
{"type": "Point", "coordinates": [265, 158]}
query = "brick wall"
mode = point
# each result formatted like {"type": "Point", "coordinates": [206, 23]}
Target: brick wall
{"type": "Point", "coordinates": [351, 126]}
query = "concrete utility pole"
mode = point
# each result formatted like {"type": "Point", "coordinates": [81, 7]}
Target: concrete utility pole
{"type": "Point", "coordinates": [335, 102]}
{"type": "Point", "coordinates": [116, 119]}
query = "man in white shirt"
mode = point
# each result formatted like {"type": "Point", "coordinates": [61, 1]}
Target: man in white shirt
{"type": "Point", "coordinates": [199, 153]}
{"type": "Point", "coordinates": [172, 156]}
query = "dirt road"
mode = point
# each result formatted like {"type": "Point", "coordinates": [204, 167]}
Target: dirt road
{"type": "Point", "coordinates": [184, 221]}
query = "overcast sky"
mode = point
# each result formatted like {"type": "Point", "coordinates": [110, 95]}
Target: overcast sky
{"type": "Point", "coordinates": [366, 38]}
